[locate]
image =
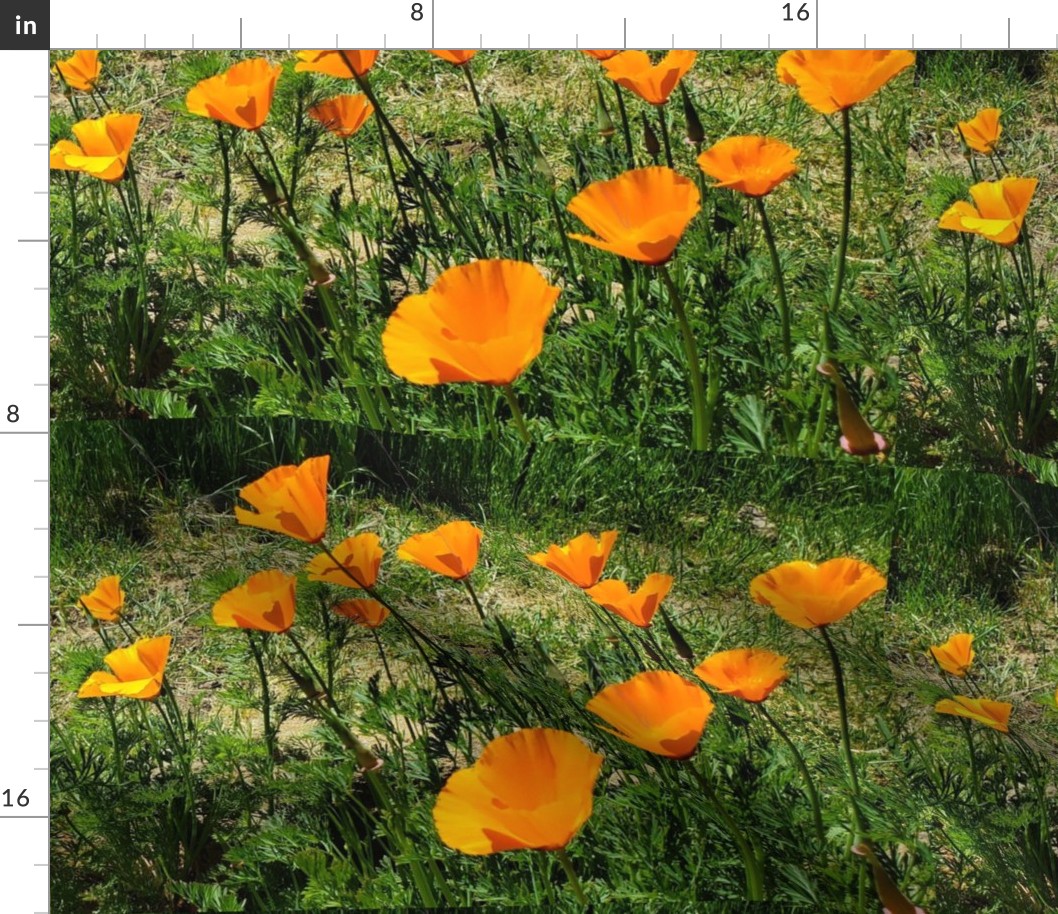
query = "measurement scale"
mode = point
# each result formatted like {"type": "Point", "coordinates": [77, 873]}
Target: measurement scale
{"type": "Point", "coordinates": [398, 24]}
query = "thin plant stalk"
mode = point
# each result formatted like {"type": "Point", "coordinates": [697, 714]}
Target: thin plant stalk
{"type": "Point", "coordinates": [315, 672]}
{"type": "Point", "coordinates": [626, 130]}
{"type": "Point", "coordinates": [516, 413]}
{"type": "Point", "coordinates": [418, 638]}
{"type": "Point", "coordinates": [843, 714]}
{"type": "Point", "coordinates": [266, 696]}
{"type": "Point", "coordinates": [664, 121]}
{"type": "Point", "coordinates": [752, 857]}
{"type": "Point", "coordinates": [278, 174]}
{"type": "Point", "coordinates": [490, 147]}
{"type": "Point", "coordinates": [967, 246]}
{"type": "Point", "coordinates": [474, 598]}
{"type": "Point", "coordinates": [571, 875]}
{"type": "Point", "coordinates": [423, 179]}
{"type": "Point", "coordinates": [383, 658]}
{"type": "Point", "coordinates": [826, 341]}
{"type": "Point", "coordinates": [225, 212]}
{"type": "Point", "coordinates": [701, 415]}
{"type": "Point", "coordinates": [780, 290]}
{"type": "Point", "coordinates": [567, 250]}
{"type": "Point", "coordinates": [806, 775]}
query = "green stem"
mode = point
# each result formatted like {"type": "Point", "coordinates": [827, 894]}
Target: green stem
{"type": "Point", "coordinates": [266, 696]}
{"type": "Point", "coordinates": [225, 213]}
{"type": "Point", "coordinates": [391, 169]}
{"type": "Point", "coordinates": [813, 795]}
{"type": "Point", "coordinates": [118, 766]}
{"type": "Point", "coordinates": [975, 771]}
{"type": "Point", "coordinates": [383, 658]}
{"type": "Point", "coordinates": [826, 342]}
{"type": "Point", "coordinates": [846, 742]}
{"type": "Point", "coordinates": [429, 187]}
{"type": "Point", "coordinates": [571, 875]}
{"type": "Point", "coordinates": [780, 290]}
{"type": "Point", "coordinates": [315, 672]}
{"type": "Point", "coordinates": [279, 175]}
{"type": "Point", "coordinates": [665, 134]}
{"type": "Point", "coordinates": [516, 413]}
{"type": "Point", "coordinates": [474, 598]}
{"type": "Point", "coordinates": [702, 420]}
{"type": "Point", "coordinates": [395, 819]}
{"type": "Point", "coordinates": [752, 859]}
{"type": "Point", "coordinates": [567, 250]}
{"type": "Point", "coordinates": [625, 128]}
{"type": "Point", "coordinates": [843, 240]}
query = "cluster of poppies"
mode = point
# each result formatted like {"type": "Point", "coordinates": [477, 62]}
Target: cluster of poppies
{"type": "Point", "coordinates": [532, 788]}
{"type": "Point", "coordinates": [484, 321]}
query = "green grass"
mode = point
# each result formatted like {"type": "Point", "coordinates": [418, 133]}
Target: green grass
{"type": "Point", "coordinates": [960, 550]}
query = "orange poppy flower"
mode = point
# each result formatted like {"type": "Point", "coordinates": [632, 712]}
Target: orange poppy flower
{"type": "Point", "coordinates": [102, 148]}
{"type": "Point", "coordinates": [106, 602]}
{"type": "Point", "coordinates": [602, 55]}
{"type": "Point", "coordinates": [581, 560]}
{"type": "Point", "coordinates": [749, 673]}
{"type": "Point", "coordinates": [360, 555]}
{"type": "Point", "coordinates": [80, 71]}
{"type": "Point", "coordinates": [137, 671]}
{"type": "Point", "coordinates": [344, 114]}
{"type": "Point", "coordinates": [640, 215]}
{"type": "Point", "coordinates": [343, 64]}
{"type": "Point", "coordinates": [955, 655]}
{"type": "Point", "coordinates": [832, 81]}
{"type": "Point", "coordinates": [264, 603]}
{"type": "Point", "coordinates": [483, 322]}
{"type": "Point", "coordinates": [637, 608]}
{"type": "Point", "coordinates": [290, 500]}
{"type": "Point", "coordinates": [657, 711]}
{"type": "Point", "coordinates": [809, 595]}
{"type": "Point", "coordinates": [368, 613]}
{"type": "Point", "coordinates": [450, 550]}
{"type": "Point", "coordinates": [981, 132]}
{"type": "Point", "coordinates": [752, 165]}
{"type": "Point", "coordinates": [857, 437]}
{"type": "Point", "coordinates": [456, 58]}
{"type": "Point", "coordinates": [997, 212]}
{"type": "Point", "coordinates": [240, 96]}
{"type": "Point", "coordinates": [994, 714]}
{"type": "Point", "coordinates": [651, 82]}
{"type": "Point", "coordinates": [529, 790]}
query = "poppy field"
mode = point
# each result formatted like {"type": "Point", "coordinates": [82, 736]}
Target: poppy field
{"type": "Point", "coordinates": [837, 254]}
{"type": "Point", "coordinates": [553, 480]}
{"type": "Point", "coordinates": [306, 666]}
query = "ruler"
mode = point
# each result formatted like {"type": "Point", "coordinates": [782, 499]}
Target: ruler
{"type": "Point", "coordinates": [24, 531]}
{"type": "Point", "coordinates": [396, 24]}
{"type": "Point", "coordinates": [704, 24]}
